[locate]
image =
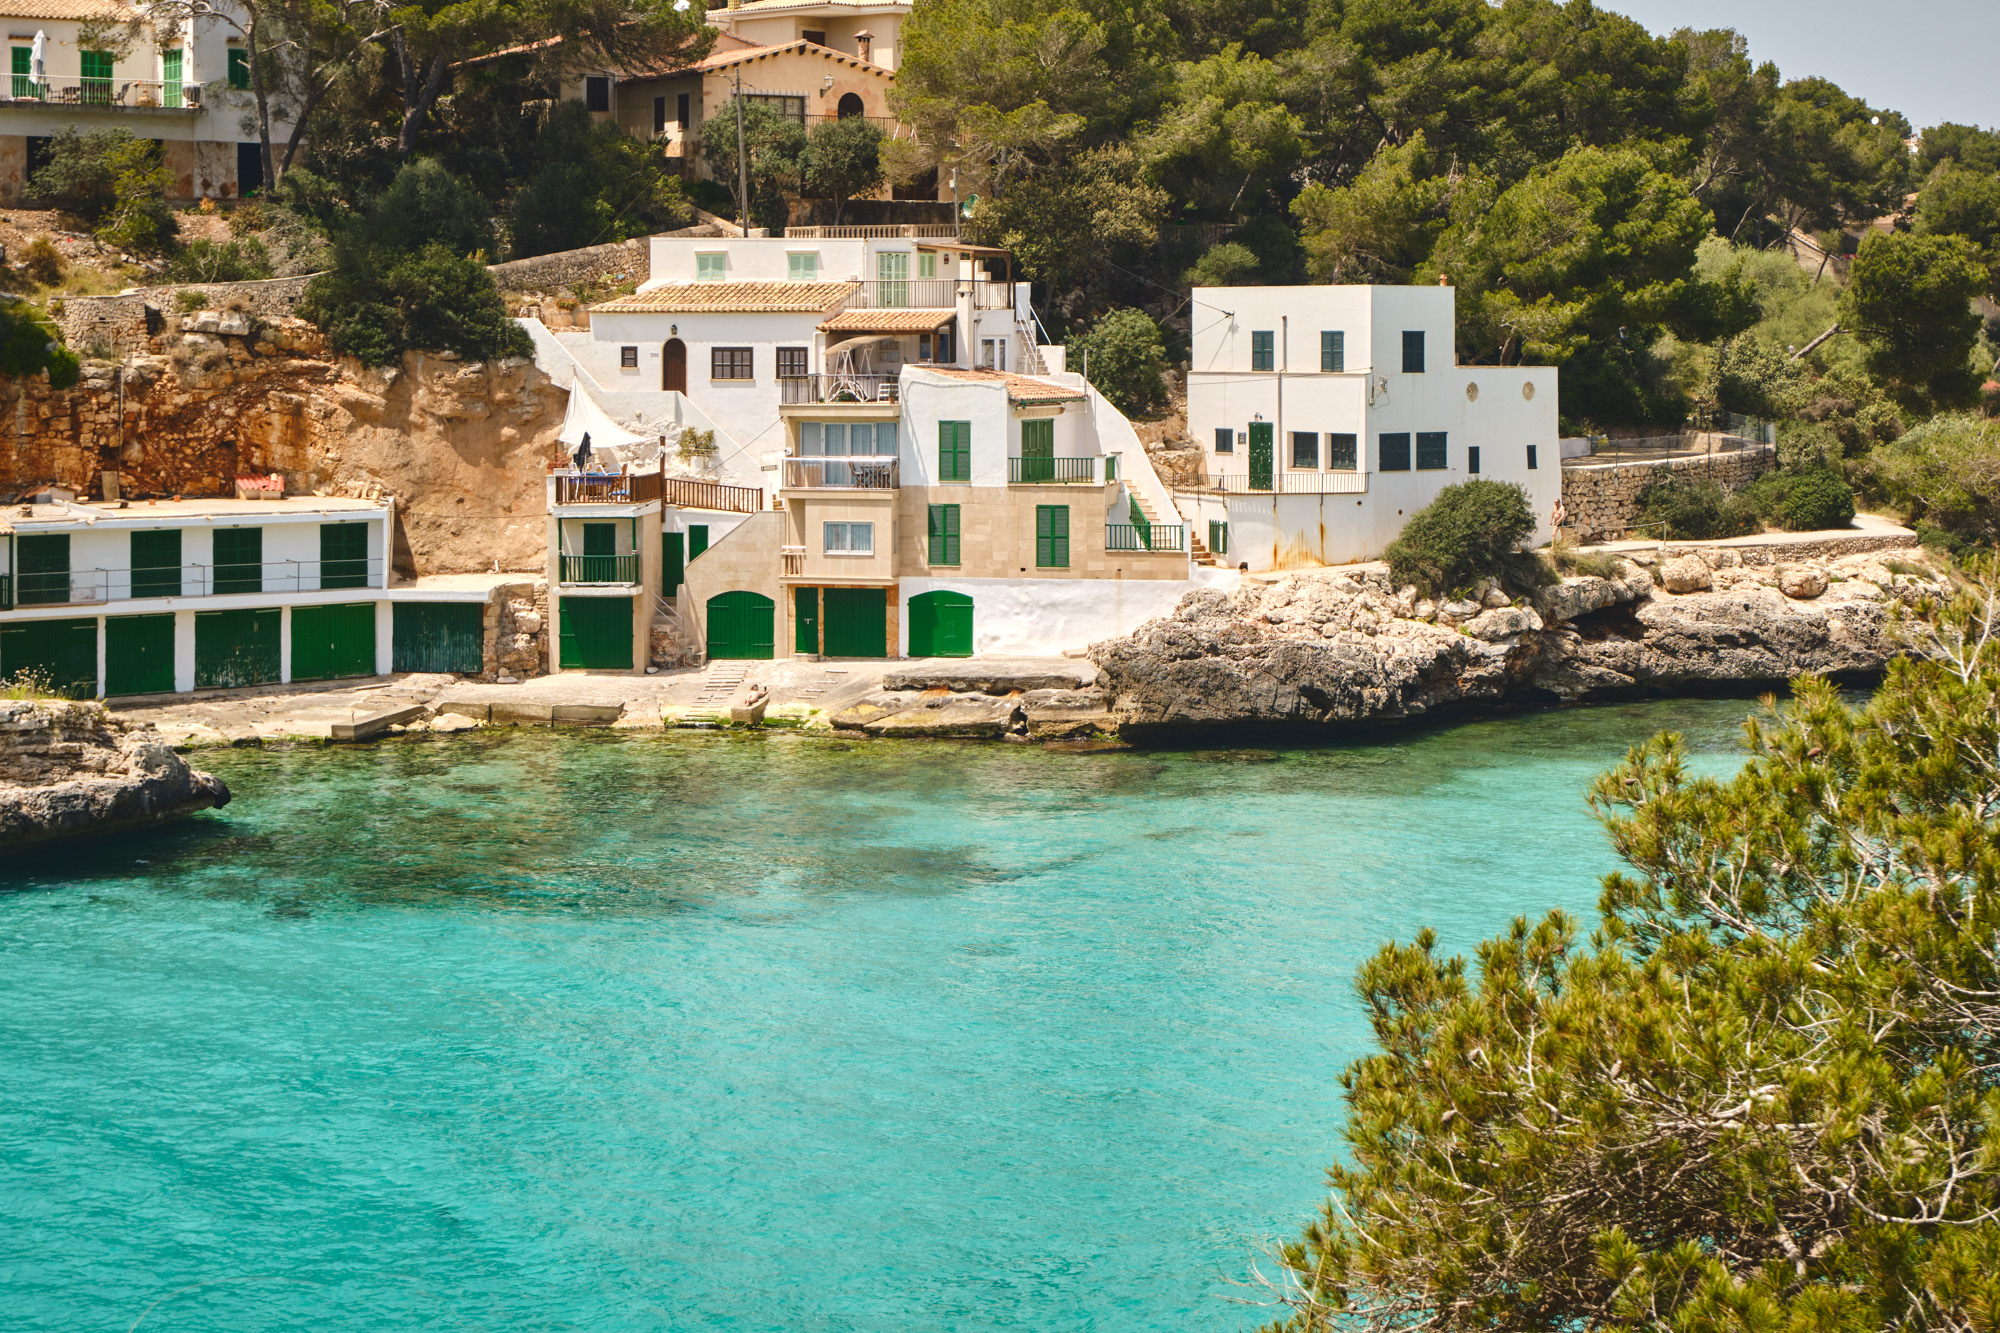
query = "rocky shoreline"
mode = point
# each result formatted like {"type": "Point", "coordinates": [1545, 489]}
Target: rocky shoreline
{"type": "Point", "coordinates": [69, 770]}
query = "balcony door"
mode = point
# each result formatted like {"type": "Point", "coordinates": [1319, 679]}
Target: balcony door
{"type": "Point", "coordinates": [1260, 456]}
{"type": "Point", "coordinates": [892, 274]}
{"type": "Point", "coordinates": [675, 373]}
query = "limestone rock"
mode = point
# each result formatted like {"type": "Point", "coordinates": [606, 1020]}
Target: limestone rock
{"type": "Point", "coordinates": [1801, 581]}
{"type": "Point", "coordinates": [1687, 574]}
{"type": "Point", "coordinates": [72, 769]}
{"type": "Point", "coordinates": [1503, 622]}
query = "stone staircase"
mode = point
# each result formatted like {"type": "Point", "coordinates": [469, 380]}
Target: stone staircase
{"type": "Point", "coordinates": [1198, 549]}
{"type": "Point", "coordinates": [717, 689]}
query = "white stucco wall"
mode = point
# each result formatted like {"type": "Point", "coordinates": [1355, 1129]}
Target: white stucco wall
{"type": "Point", "coordinates": [1042, 617]}
{"type": "Point", "coordinates": [930, 398]}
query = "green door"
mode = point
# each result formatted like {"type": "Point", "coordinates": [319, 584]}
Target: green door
{"type": "Point", "coordinates": [439, 636]}
{"type": "Point", "coordinates": [743, 626]}
{"type": "Point", "coordinates": [941, 624]}
{"type": "Point", "coordinates": [239, 560]}
{"type": "Point", "coordinates": [343, 555]}
{"type": "Point", "coordinates": [1260, 455]}
{"type": "Point", "coordinates": [857, 622]}
{"type": "Point", "coordinates": [596, 633]}
{"type": "Point", "coordinates": [44, 571]}
{"type": "Point", "coordinates": [156, 563]}
{"type": "Point", "coordinates": [805, 618]}
{"type": "Point", "coordinates": [329, 642]}
{"type": "Point", "coordinates": [139, 654]}
{"type": "Point", "coordinates": [1038, 450]}
{"type": "Point", "coordinates": [236, 648]}
{"type": "Point", "coordinates": [697, 539]}
{"type": "Point", "coordinates": [600, 554]}
{"type": "Point", "coordinates": [673, 562]}
{"type": "Point", "coordinates": [62, 651]}
{"type": "Point", "coordinates": [170, 78]}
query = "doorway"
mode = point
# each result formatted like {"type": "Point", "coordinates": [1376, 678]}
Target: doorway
{"type": "Point", "coordinates": [849, 107]}
{"type": "Point", "coordinates": [1260, 456]}
{"type": "Point", "coordinates": [675, 372]}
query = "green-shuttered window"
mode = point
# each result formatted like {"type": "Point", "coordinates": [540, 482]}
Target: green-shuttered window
{"type": "Point", "coordinates": [156, 563]}
{"type": "Point", "coordinates": [239, 560]}
{"type": "Point", "coordinates": [44, 569]}
{"type": "Point", "coordinates": [239, 68]}
{"type": "Point", "coordinates": [97, 66]}
{"type": "Point", "coordinates": [1431, 451]}
{"type": "Point", "coordinates": [343, 555]}
{"type": "Point", "coordinates": [1262, 353]}
{"type": "Point", "coordinates": [170, 77]}
{"type": "Point", "coordinates": [24, 71]}
{"type": "Point", "coordinates": [944, 534]}
{"type": "Point", "coordinates": [1038, 450]}
{"type": "Point", "coordinates": [1395, 452]}
{"type": "Point", "coordinates": [1052, 536]}
{"type": "Point", "coordinates": [1218, 537]}
{"type": "Point", "coordinates": [1332, 351]}
{"type": "Point", "coordinates": [954, 451]}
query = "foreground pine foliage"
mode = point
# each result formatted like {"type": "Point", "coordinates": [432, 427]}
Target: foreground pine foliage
{"type": "Point", "coordinates": [1761, 1096]}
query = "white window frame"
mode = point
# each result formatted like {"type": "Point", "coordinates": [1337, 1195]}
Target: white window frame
{"type": "Point", "coordinates": [840, 536]}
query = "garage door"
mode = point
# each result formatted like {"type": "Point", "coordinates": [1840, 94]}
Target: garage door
{"type": "Point", "coordinates": [139, 654]}
{"type": "Point", "coordinates": [941, 625]}
{"type": "Point", "coordinates": [329, 642]}
{"type": "Point", "coordinates": [742, 625]}
{"type": "Point", "coordinates": [597, 633]}
{"type": "Point", "coordinates": [236, 648]}
{"type": "Point", "coordinates": [857, 622]}
{"type": "Point", "coordinates": [440, 636]}
{"type": "Point", "coordinates": [61, 653]}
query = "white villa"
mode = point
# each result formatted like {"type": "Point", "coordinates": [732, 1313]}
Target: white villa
{"type": "Point", "coordinates": [1328, 415]}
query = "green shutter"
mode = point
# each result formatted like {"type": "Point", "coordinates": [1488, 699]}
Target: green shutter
{"type": "Point", "coordinates": [941, 624]}
{"type": "Point", "coordinates": [97, 69]}
{"type": "Point", "coordinates": [62, 651]}
{"type": "Point", "coordinates": [237, 648]}
{"type": "Point", "coordinates": [944, 534]}
{"type": "Point", "coordinates": [156, 563]}
{"type": "Point", "coordinates": [43, 571]}
{"type": "Point", "coordinates": [1218, 537]}
{"type": "Point", "coordinates": [596, 633]}
{"type": "Point", "coordinates": [673, 562]}
{"type": "Point", "coordinates": [139, 654]}
{"type": "Point", "coordinates": [857, 622]}
{"type": "Point", "coordinates": [1261, 455]}
{"type": "Point", "coordinates": [1052, 536]}
{"type": "Point", "coordinates": [1432, 453]}
{"type": "Point", "coordinates": [954, 451]}
{"type": "Point", "coordinates": [697, 539]}
{"type": "Point", "coordinates": [1038, 450]}
{"type": "Point", "coordinates": [438, 636]}
{"type": "Point", "coordinates": [170, 77]}
{"type": "Point", "coordinates": [741, 625]}
{"type": "Point", "coordinates": [24, 69]}
{"type": "Point", "coordinates": [343, 555]}
{"type": "Point", "coordinates": [329, 642]}
{"type": "Point", "coordinates": [239, 560]}
{"type": "Point", "coordinates": [239, 68]}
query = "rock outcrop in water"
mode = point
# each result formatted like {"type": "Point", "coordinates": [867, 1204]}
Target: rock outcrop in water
{"type": "Point", "coordinates": [1345, 646]}
{"type": "Point", "coordinates": [68, 769]}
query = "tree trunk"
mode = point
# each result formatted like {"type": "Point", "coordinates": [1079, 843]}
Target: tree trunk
{"type": "Point", "coordinates": [263, 102]}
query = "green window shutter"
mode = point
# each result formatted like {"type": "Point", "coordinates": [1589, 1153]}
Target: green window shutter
{"type": "Point", "coordinates": [170, 76]}
{"type": "Point", "coordinates": [944, 534]}
{"type": "Point", "coordinates": [1333, 351]}
{"type": "Point", "coordinates": [239, 68]}
{"type": "Point", "coordinates": [343, 555]}
{"type": "Point", "coordinates": [954, 451]}
{"type": "Point", "coordinates": [673, 562]}
{"type": "Point", "coordinates": [43, 570]}
{"type": "Point", "coordinates": [1038, 450]}
{"type": "Point", "coordinates": [1395, 452]}
{"type": "Point", "coordinates": [239, 560]}
{"type": "Point", "coordinates": [1431, 450]}
{"type": "Point", "coordinates": [1262, 354]}
{"type": "Point", "coordinates": [1052, 536]}
{"type": "Point", "coordinates": [156, 563]}
{"type": "Point", "coordinates": [697, 539]}
{"type": "Point", "coordinates": [24, 68]}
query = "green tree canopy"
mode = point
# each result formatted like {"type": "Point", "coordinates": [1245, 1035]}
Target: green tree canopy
{"type": "Point", "coordinates": [775, 146]}
{"type": "Point", "coordinates": [1123, 356]}
{"type": "Point", "coordinates": [843, 158]}
{"type": "Point", "coordinates": [1910, 304]}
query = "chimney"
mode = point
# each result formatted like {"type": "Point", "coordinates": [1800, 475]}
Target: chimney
{"type": "Point", "coordinates": [865, 41]}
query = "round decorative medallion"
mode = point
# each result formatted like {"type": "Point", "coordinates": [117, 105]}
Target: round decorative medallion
{"type": "Point", "coordinates": [1471, 392]}
{"type": "Point", "coordinates": [1527, 391]}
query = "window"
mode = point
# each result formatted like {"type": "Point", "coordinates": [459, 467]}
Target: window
{"type": "Point", "coordinates": [156, 563]}
{"type": "Point", "coordinates": [24, 72]}
{"type": "Point", "coordinates": [791, 363]}
{"type": "Point", "coordinates": [239, 67]}
{"type": "Point", "coordinates": [1430, 450]}
{"type": "Point", "coordinates": [1413, 351]}
{"type": "Point", "coordinates": [597, 92]}
{"type": "Point", "coordinates": [1340, 453]}
{"type": "Point", "coordinates": [802, 267]}
{"type": "Point", "coordinates": [249, 169]}
{"type": "Point", "coordinates": [170, 77]}
{"type": "Point", "coordinates": [1261, 355]}
{"type": "Point", "coordinates": [1531, 458]}
{"type": "Point", "coordinates": [817, 38]}
{"type": "Point", "coordinates": [1395, 451]}
{"type": "Point", "coordinates": [892, 279]}
{"type": "Point", "coordinates": [1225, 440]}
{"type": "Point", "coordinates": [954, 451]}
{"type": "Point", "coordinates": [730, 363]}
{"type": "Point", "coordinates": [628, 358]}
{"type": "Point", "coordinates": [1333, 350]}
{"type": "Point", "coordinates": [1052, 536]}
{"type": "Point", "coordinates": [239, 560]}
{"type": "Point", "coordinates": [927, 264]}
{"type": "Point", "coordinates": [1218, 537]}
{"type": "Point", "coordinates": [659, 115]}
{"type": "Point", "coordinates": [1472, 459]}
{"type": "Point", "coordinates": [923, 347]}
{"type": "Point", "coordinates": [993, 353]}
{"type": "Point", "coordinates": [789, 108]}
{"type": "Point", "coordinates": [1305, 448]}
{"type": "Point", "coordinates": [710, 268]}
{"type": "Point", "coordinates": [850, 539]}
{"type": "Point", "coordinates": [97, 77]}
{"type": "Point", "coordinates": [681, 110]}
{"type": "Point", "coordinates": [1038, 450]}
{"type": "Point", "coordinates": [343, 555]}
{"type": "Point", "coordinates": [944, 535]}
{"type": "Point", "coordinates": [43, 571]}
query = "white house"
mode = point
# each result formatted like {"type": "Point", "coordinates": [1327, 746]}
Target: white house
{"type": "Point", "coordinates": [1330, 414]}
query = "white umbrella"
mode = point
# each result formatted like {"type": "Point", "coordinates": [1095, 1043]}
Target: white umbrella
{"type": "Point", "coordinates": [38, 71]}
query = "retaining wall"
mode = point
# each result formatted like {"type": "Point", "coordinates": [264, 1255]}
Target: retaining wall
{"type": "Point", "coordinates": [1601, 501]}
{"type": "Point", "coordinates": [568, 267]}
{"type": "Point", "coordinates": [126, 323]}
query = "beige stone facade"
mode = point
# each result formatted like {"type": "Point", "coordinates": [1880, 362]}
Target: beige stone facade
{"type": "Point", "coordinates": [997, 534]}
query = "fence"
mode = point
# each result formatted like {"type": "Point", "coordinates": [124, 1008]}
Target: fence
{"type": "Point", "coordinates": [1036, 471]}
{"type": "Point", "coordinates": [1282, 483]}
{"type": "Point", "coordinates": [124, 94]}
{"type": "Point", "coordinates": [890, 231]}
{"type": "Point", "coordinates": [607, 488]}
{"type": "Point", "coordinates": [927, 294]}
{"type": "Point", "coordinates": [855, 474]}
{"type": "Point", "coordinates": [87, 587]}
{"type": "Point", "coordinates": [837, 388]}
{"type": "Point", "coordinates": [686, 493]}
{"type": "Point", "coordinates": [1155, 537]}
{"type": "Point", "coordinates": [600, 568]}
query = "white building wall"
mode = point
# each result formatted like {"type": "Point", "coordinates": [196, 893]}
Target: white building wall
{"type": "Point", "coordinates": [1042, 617]}
{"type": "Point", "coordinates": [931, 398]}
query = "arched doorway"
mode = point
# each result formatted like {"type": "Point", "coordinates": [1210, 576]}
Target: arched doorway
{"type": "Point", "coordinates": [675, 372]}
{"type": "Point", "coordinates": [941, 624]}
{"type": "Point", "coordinates": [741, 625]}
{"type": "Point", "coordinates": [850, 105]}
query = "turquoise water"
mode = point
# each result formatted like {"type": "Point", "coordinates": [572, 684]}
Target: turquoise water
{"type": "Point", "coordinates": [706, 1032]}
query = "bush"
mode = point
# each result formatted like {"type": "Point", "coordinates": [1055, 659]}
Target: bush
{"type": "Point", "coordinates": [589, 184]}
{"type": "Point", "coordinates": [1818, 499]}
{"type": "Point", "coordinates": [844, 159]}
{"type": "Point", "coordinates": [204, 260]}
{"type": "Point", "coordinates": [1945, 474]}
{"type": "Point", "coordinates": [80, 177]}
{"type": "Point", "coordinates": [1123, 356]}
{"type": "Point", "coordinates": [1471, 531]}
{"type": "Point", "coordinates": [44, 263]}
{"type": "Point", "coordinates": [139, 218]}
{"type": "Point", "coordinates": [432, 300]}
{"type": "Point", "coordinates": [427, 205]}
{"type": "Point", "coordinates": [29, 344]}
{"type": "Point", "coordinates": [1699, 510]}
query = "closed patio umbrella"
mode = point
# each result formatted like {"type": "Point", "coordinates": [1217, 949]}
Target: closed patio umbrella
{"type": "Point", "coordinates": [38, 69]}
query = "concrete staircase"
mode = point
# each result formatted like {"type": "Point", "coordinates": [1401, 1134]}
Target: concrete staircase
{"type": "Point", "coordinates": [1198, 549]}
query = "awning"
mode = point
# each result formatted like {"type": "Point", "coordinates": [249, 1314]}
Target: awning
{"type": "Point", "coordinates": [887, 321]}
{"type": "Point", "coordinates": [586, 417]}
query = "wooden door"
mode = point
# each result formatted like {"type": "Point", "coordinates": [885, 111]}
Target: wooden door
{"type": "Point", "coordinates": [329, 642]}
{"type": "Point", "coordinates": [1260, 456]}
{"type": "Point", "coordinates": [139, 654]}
{"type": "Point", "coordinates": [439, 636]}
{"type": "Point", "coordinates": [742, 625]}
{"type": "Point", "coordinates": [676, 368]}
{"type": "Point", "coordinates": [805, 620]}
{"type": "Point", "coordinates": [673, 562]}
{"type": "Point", "coordinates": [596, 634]}
{"type": "Point", "coordinates": [857, 622]}
{"type": "Point", "coordinates": [941, 624]}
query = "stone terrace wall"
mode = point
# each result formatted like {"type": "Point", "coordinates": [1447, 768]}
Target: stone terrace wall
{"type": "Point", "coordinates": [125, 324]}
{"type": "Point", "coordinates": [1602, 501]}
{"type": "Point", "coordinates": [566, 267]}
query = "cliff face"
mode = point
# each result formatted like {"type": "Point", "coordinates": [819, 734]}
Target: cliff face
{"type": "Point", "coordinates": [69, 769]}
{"type": "Point", "coordinates": [461, 446]}
{"type": "Point", "coordinates": [1345, 646]}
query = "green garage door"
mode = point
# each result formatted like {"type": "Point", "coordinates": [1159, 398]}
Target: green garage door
{"type": "Point", "coordinates": [139, 654]}
{"type": "Point", "coordinates": [941, 625]}
{"type": "Point", "coordinates": [857, 622]}
{"type": "Point", "coordinates": [333, 641]}
{"type": "Point", "coordinates": [236, 648]}
{"type": "Point", "coordinates": [62, 651]}
{"type": "Point", "coordinates": [742, 625]}
{"type": "Point", "coordinates": [440, 636]}
{"type": "Point", "coordinates": [597, 633]}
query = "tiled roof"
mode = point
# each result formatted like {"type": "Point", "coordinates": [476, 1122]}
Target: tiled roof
{"type": "Point", "coordinates": [887, 321]}
{"type": "Point", "coordinates": [1020, 388]}
{"type": "Point", "coordinates": [724, 59]}
{"type": "Point", "coordinates": [779, 6]}
{"type": "Point", "coordinates": [802, 298]}
{"type": "Point", "coordinates": [64, 9]}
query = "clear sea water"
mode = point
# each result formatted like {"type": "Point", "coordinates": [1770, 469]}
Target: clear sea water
{"type": "Point", "coordinates": [608, 1032]}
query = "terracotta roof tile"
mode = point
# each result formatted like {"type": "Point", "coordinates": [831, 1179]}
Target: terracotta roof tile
{"type": "Point", "coordinates": [1020, 388]}
{"type": "Point", "coordinates": [887, 321]}
{"type": "Point", "coordinates": [64, 9]}
{"type": "Point", "coordinates": [724, 59]}
{"type": "Point", "coordinates": [803, 298]}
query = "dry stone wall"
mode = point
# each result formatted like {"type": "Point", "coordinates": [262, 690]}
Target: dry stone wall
{"type": "Point", "coordinates": [1602, 500]}
{"type": "Point", "coordinates": [566, 268]}
{"type": "Point", "coordinates": [127, 323]}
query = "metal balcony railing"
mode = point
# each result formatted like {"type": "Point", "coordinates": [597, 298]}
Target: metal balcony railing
{"type": "Point", "coordinates": [1284, 483]}
{"type": "Point", "coordinates": [928, 294]}
{"type": "Point", "coordinates": [1038, 471]}
{"type": "Point", "coordinates": [91, 587]}
{"type": "Point", "coordinates": [1155, 537]}
{"type": "Point", "coordinates": [850, 474]}
{"type": "Point", "coordinates": [600, 568]}
{"type": "Point", "coordinates": [606, 488]}
{"type": "Point", "coordinates": [837, 389]}
{"type": "Point", "coordinates": [121, 94]}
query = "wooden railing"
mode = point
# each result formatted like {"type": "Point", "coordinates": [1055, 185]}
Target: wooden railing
{"type": "Point", "coordinates": [687, 493]}
{"type": "Point", "coordinates": [794, 558]}
{"type": "Point", "coordinates": [1040, 471]}
{"type": "Point", "coordinates": [849, 474]}
{"type": "Point", "coordinates": [607, 488]}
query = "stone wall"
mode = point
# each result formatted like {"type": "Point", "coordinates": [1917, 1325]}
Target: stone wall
{"type": "Point", "coordinates": [565, 268]}
{"type": "Point", "coordinates": [127, 323]}
{"type": "Point", "coordinates": [516, 641]}
{"type": "Point", "coordinates": [1602, 500]}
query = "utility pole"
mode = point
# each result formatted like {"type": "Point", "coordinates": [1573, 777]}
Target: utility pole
{"type": "Point", "coordinates": [742, 161]}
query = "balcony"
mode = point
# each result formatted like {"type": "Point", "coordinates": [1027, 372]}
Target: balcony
{"type": "Point", "coordinates": [928, 294]}
{"type": "Point", "coordinates": [794, 558]}
{"type": "Point", "coordinates": [94, 587]}
{"type": "Point", "coordinates": [837, 389]}
{"type": "Point", "coordinates": [614, 569]}
{"type": "Point", "coordinates": [891, 231]}
{"type": "Point", "coordinates": [841, 474]}
{"type": "Point", "coordinates": [1154, 537]}
{"type": "Point", "coordinates": [116, 94]}
{"type": "Point", "coordinates": [607, 488]}
{"type": "Point", "coordinates": [687, 493]}
{"type": "Point", "coordinates": [1284, 483]}
{"type": "Point", "coordinates": [1053, 471]}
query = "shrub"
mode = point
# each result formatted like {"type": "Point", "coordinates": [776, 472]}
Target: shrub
{"type": "Point", "coordinates": [1818, 499]}
{"type": "Point", "coordinates": [1123, 356]}
{"type": "Point", "coordinates": [1223, 265]}
{"type": "Point", "coordinates": [1697, 510]}
{"type": "Point", "coordinates": [139, 218]}
{"type": "Point", "coordinates": [80, 177]}
{"type": "Point", "coordinates": [204, 260]}
{"type": "Point", "coordinates": [432, 300]}
{"type": "Point", "coordinates": [844, 159]}
{"type": "Point", "coordinates": [1471, 531]}
{"type": "Point", "coordinates": [29, 343]}
{"type": "Point", "coordinates": [1945, 474]}
{"type": "Point", "coordinates": [427, 205]}
{"type": "Point", "coordinates": [588, 184]}
{"type": "Point", "coordinates": [44, 263]}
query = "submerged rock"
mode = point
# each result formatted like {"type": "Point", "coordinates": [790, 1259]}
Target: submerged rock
{"type": "Point", "coordinates": [68, 769]}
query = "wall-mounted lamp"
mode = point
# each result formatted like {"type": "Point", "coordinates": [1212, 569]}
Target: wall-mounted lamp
{"type": "Point", "coordinates": [1258, 417]}
{"type": "Point", "coordinates": [673, 330]}
{"type": "Point", "coordinates": [826, 86]}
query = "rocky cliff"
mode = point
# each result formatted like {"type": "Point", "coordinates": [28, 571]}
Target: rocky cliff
{"type": "Point", "coordinates": [1344, 646]}
{"type": "Point", "coordinates": [69, 769]}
